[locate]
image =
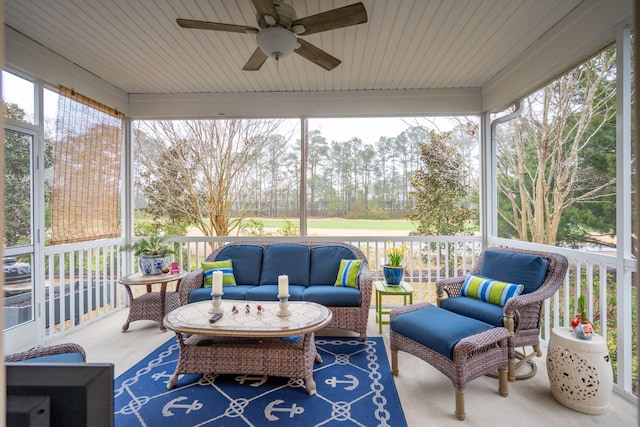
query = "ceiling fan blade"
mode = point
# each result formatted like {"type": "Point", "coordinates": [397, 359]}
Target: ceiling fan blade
{"type": "Point", "coordinates": [317, 56]}
{"type": "Point", "coordinates": [255, 62]}
{"type": "Point", "coordinates": [265, 7]}
{"type": "Point", "coordinates": [215, 26]}
{"type": "Point", "coordinates": [336, 18]}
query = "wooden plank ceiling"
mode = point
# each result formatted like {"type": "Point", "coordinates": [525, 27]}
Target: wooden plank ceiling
{"type": "Point", "coordinates": [406, 44]}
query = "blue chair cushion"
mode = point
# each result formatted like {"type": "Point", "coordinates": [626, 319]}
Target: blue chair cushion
{"type": "Point", "coordinates": [56, 358]}
{"type": "Point", "coordinates": [437, 329]}
{"type": "Point", "coordinates": [527, 269]}
{"type": "Point", "coordinates": [246, 260]}
{"type": "Point", "coordinates": [325, 262]}
{"type": "Point", "coordinates": [229, 292]}
{"type": "Point", "coordinates": [332, 296]}
{"type": "Point", "coordinates": [270, 293]}
{"type": "Point", "coordinates": [290, 259]}
{"type": "Point", "coordinates": [477, 309]}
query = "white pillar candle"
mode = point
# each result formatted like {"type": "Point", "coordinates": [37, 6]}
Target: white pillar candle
{"type": "Point", "coordinates": [283, 286]}
{"type": "Point", "coordinates": [217, 282]}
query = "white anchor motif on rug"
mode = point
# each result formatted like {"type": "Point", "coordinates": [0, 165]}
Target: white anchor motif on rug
{"type": "Point", "coordinates": [261, 379]}
{"type": "Point", "coordinates": [173, 404]}
{"type": "Point", "coordinates": [271, 408]}
{"type": "Point", "coordinates": [352, 380]}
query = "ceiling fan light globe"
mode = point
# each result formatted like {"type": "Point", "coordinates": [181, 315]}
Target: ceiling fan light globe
{"type": "Point", "coordinates": [276, 40]}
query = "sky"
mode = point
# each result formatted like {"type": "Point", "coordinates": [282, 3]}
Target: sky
{"type": "Point", "coordinates": [369, 130]}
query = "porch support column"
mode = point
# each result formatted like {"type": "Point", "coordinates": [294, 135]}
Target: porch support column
{"type": "Point", "coordinates": [304, 149]}
{"type": "Point", "coordinates": [623, 207]}
{"type": "Point", "coordinates": [487, 183]}
{"type": "Point", "coordinates": [126, 209]}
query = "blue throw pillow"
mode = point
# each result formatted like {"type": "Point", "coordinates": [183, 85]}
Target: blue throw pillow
{"type": "Point", "coordinates": [348, 273]}
{"type": "Point", "coordinates": [487, 290]}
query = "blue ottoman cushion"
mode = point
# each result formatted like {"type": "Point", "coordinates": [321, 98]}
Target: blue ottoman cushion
{"type": "Point", "coordinates": [438, 329]}
{"type": "Point", "coordinates": [246, 260]}
{"type": "Point", "coordinates": [290, 259]}
{"type": "Point", "coordinates": [526, 269]}
{"type": "Point", "coordinates": [471, 307]}
{"type": "Point", "coordinates": [332, 296]}
{"type": "Point", "coordinates": [270, 293]}
{"type": "Point", "coordinates": [325, 262]}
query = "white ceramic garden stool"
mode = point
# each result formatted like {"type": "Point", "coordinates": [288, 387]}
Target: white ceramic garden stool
{"type": "Point", "coordinates": [579, 371]}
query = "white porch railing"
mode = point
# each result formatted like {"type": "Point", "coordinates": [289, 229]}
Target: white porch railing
{"type": "Point", "coordinates": [85, 279]}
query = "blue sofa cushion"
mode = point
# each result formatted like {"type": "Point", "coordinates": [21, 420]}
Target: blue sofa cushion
{"type": "Point", "coordinates": [529, 270]}
{"type": "Point", "coordinates": [290, 259]}
{"type": "Point", "coordinates": [471, 307]}
{"type": "Point", "coordinates": [332, 296]}
{"type": "Point", "coordinates": [418, 325]}
{"type": "Point", "coordinates": [325, 262]}
{"type": "Point", "coordinates": [56, 358]}
{"type": "Point", "coordinates": [229, 292]}
{"type": "Point", "coordinates": [270, 293]}
{"type": "Point", "coordinates": [247, 262]}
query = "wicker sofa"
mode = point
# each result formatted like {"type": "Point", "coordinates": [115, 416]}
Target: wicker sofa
{"type": "Point", "coordinates": [312, 268]}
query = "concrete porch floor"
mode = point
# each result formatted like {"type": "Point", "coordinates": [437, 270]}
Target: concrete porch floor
{"type": "Point", "coordinates": [427, 396]}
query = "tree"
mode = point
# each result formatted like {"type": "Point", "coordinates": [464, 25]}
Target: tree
{"type": "Point", "coordinates": [17, 169]}
{"type": "Point", "coordinates": [439, 191]}
{"type": "Point", "coordinates": [200, 171]}
{"type": "Point", "coordinates": [541, 158]}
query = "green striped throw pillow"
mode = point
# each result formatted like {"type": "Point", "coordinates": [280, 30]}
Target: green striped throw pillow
{"type": "Point", "coordinates": [226, 266]}
{"type": "Point", "coordinates": [488, 290]}
{"type": "Point", "coordinates": [348, 273]}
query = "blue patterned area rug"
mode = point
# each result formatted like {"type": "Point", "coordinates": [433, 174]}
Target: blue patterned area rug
{"type": "Point", "coordinates": [354, 387]}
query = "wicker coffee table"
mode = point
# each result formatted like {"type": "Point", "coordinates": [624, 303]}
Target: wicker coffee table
{"type": "Point", "coordinates": [248, 343]}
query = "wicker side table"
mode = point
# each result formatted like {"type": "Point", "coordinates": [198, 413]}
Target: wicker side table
{"type": "Point", "coordinates": [579, 371]}
{"type": "Point", "coordinates": [153, 305]}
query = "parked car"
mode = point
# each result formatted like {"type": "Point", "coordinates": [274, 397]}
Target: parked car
{"type": "Point", "coordinates": [17, 275]}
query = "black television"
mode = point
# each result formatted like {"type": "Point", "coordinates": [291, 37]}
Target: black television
{"type": "Point", "coordinates": [80, 394]}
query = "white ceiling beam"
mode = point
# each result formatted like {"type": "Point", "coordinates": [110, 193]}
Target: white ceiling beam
{"type": "Point", "coordinates": [307, 104]}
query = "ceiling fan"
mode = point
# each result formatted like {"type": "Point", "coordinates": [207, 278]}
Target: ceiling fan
{"type": "Point", "coordinates": [280, 28]}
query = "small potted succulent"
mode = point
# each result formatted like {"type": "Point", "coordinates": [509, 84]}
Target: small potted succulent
{"type": "Point", "coordinates": [153, 255]}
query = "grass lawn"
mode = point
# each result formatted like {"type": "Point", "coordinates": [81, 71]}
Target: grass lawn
{"type": "Point", "coordinates": [344, 224]}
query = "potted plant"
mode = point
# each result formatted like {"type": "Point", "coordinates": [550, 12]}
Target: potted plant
{"type": "Point", "coordinates": [153, 255]}
{"type": "Point", "coordinates": [581, 324]}
{"type": "Point", "coordinates": [393, 271]}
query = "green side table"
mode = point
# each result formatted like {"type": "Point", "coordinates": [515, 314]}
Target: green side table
{"type": "Point", "coordinates": [403, 289]}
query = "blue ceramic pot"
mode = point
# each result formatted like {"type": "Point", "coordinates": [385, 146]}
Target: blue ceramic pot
{"type": "Point", "coordinates": [152, 265]}
{"type": "Point", "coordinates": [393, 275]}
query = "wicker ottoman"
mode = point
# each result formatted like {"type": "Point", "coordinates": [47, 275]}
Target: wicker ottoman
{"type": "Point", "coordinates": [430, 330]}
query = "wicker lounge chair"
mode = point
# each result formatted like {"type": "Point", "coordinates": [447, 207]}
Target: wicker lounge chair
{"type": "Point", "coordinates": [523, 313]}
{"type": "Point", "coordinates": [55, 353]}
